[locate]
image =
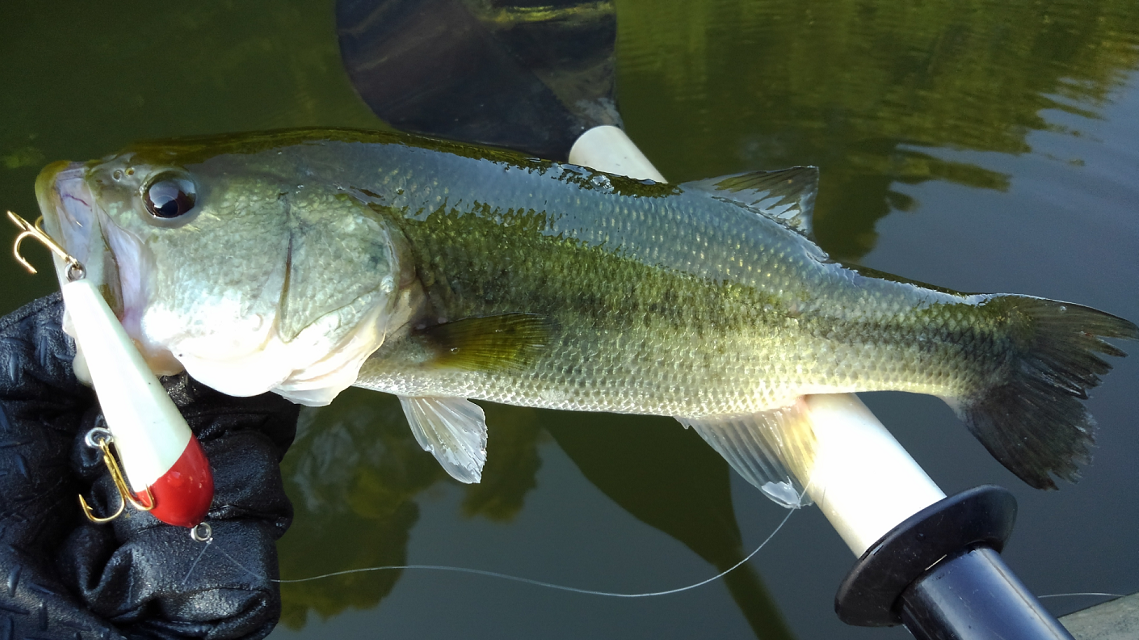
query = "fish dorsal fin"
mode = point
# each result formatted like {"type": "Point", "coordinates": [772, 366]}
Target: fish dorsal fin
{"type": "Point", "coordinates": [490, 343]}
{"type": "Point", "coordinates": [786, 195]}
{"type": "Point", "coordinates": [770, 449]}
{"type": "Point", "coordinates": [453, 430]}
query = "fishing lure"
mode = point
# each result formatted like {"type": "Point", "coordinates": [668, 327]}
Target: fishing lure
{"type": "Point", "coordinates": [162, 462]}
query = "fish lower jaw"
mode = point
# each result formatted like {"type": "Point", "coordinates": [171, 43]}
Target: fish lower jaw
{"type": "Point", "coordinates": [311, 369]}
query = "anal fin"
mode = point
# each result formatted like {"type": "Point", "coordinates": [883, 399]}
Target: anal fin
{"type": "Point", "coordinates": [453, 430]}
{"type": "Point", "coordinates": [770, 449]}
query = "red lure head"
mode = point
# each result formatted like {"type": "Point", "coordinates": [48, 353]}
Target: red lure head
{"type": "Point", "coordinates": [183, 494]}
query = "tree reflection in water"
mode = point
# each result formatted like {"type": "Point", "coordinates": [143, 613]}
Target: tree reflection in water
{"type": "Point", "coordinates": [876, 94]}
{"type": "Point", "coordinates": [871, 92]}
{"type": "Point", "coordinates": [355, 473]}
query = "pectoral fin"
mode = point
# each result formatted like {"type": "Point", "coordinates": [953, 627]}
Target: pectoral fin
{"type": "Point", "coordinates": [453, 430]}
{"type": "Point", "coordinates": [491, 343]}
{"type": "Point", "coordinates": [769, 449]}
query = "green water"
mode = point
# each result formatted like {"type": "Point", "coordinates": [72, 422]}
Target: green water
{"type": "Point", "coordinates": [982, 146]}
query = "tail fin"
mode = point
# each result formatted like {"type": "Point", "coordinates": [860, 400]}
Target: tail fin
{"type": "Point", "coordinates": [1034, 422]}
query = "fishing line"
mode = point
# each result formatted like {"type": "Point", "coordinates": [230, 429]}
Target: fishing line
{"type": "Point", "coordinates": [538, 583]}
{"type": "Point", "coordinates": [1083, 593]}
{"type": "Point", "coordinates": [194, 564]}
{"type": "Point", "coordinates": [503, 576]}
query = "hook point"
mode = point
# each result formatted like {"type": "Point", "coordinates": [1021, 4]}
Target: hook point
{"type": "Point", "coordinates": [75, 270]}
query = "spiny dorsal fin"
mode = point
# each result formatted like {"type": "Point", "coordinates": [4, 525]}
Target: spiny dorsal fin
{"type": "Point", "coordinates": [786, 195]}
{"type": "Point", "coordinates": [490, 343]}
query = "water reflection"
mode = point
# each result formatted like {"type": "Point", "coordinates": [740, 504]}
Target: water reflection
{"type": "Point", "coordinates": [355, 473]}
{"type": "Point", "coordinates": [869, 91]}
{"type": "Point", "coordinates": [872, 92]}
{"type": "Point", "coordinates": [352, 473]}
{"type": "Point", "coordinates": [670, 479]}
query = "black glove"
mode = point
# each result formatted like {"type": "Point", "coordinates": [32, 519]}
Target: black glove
{"type": "Point", "coordinates": [63, 577]}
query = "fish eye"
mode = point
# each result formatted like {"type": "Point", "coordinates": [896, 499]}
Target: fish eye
{"type": "Point", "coordinates": [169, 195]}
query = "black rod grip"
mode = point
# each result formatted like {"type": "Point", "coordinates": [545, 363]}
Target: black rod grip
{"type": "Point", "coordinates": [975, 596]}
{"type": "Point", "coordinates": [871, 593]}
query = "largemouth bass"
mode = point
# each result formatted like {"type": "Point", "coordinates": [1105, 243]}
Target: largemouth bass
{"type": "Point", "coordinates": [303, 262]}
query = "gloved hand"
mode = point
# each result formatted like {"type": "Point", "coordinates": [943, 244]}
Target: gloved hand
{"type": "Point", "coordinates": [64, 577]}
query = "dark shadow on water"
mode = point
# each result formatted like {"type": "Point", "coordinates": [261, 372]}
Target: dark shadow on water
{"type": "Point", "coordinates": [355, 473]}
{"type": "Point", "coordinates": [669, 478]}
{"type": "Point", "coordinates": [352, 474]}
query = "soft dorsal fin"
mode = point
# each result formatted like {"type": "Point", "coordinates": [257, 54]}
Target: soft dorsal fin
{"type": "Point", "coordinates": [786, 195]}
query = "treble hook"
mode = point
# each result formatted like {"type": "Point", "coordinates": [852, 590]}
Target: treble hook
{"type": "Point", "coordinates": [75, 270]}
{"type": "Point", "coordinates": [100, 438]}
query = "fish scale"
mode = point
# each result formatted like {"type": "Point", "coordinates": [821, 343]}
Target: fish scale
{"type": "Point", "coordinates": [305, 261]}
{"type": "Point", "coordinates": [746, 314]}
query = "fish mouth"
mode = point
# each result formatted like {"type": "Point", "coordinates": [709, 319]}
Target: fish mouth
{"type": "Point", "coordinates": [113, 260]}
{"type": "Point", "coordinates": [68, 210]}
{"type": "Point", "coordinates": [71, 216]}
